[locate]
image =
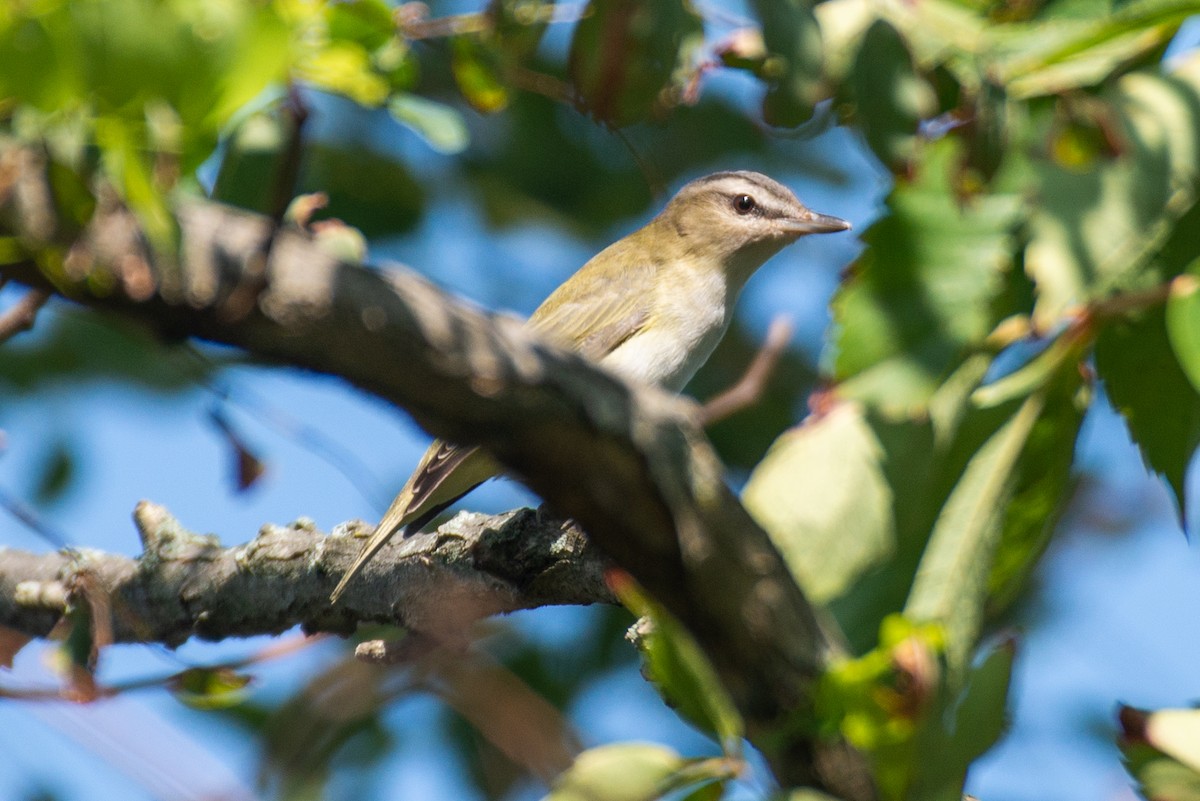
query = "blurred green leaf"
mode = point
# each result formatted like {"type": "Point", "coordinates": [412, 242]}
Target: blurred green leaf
{"type": "Point", "coordinates": [924, 289]}
{"type": "Point", "coordinates": [1103, 217]}
{"type": "Point", "coordinates": [441, 126]}
{"type": "Point", "coordinates": [56, 473]}
{"type": "Point", "coordinates": [1147, 386]}
{"type": "Point", "coordinates": [950, 586]}
{"type": "Point", "coordinates": [822, 496]}
{"type": "Point", "coordinates": [958, 733]}
{"type": "Point", "coordinates": [478, 73]}
{"type": "Point", "coordinates": [1038, 58]}
{"type": "Point", "coordinates": [1161, 752]}
{"type": "Point", "coordinates": [680, 670]}
{"type": "Point", "coordinates": [792, 68]}
{"type": "Point", "coordinates": [1183, 325]}
{"type": "Point", "coordinates": [72, 346]}
{"type": "Point", "coordinates": [1042, 489]}
{"type": "Point", "coordinates": [209, 688]}
{"type": "Point", "coordinates": [519, 25]}
{"type": "Point", "coordinates": [624, 53]}
{"type": "Point", "coordinates": [367, 22]}
{"type": "Point", "coordinates": [890, 97]}
{"type": "Point", "coordinates": [618, 772]}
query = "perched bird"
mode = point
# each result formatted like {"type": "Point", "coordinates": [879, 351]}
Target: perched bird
{"type": "Point", "coordinates": [650, 307]}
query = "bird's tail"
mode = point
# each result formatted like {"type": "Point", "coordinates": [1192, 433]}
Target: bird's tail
{"type": "Point", "coordinates": [377, 541]}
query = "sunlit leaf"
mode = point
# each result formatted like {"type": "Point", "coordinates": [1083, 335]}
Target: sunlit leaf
{"type": "Point", "coordinates": [951, 582]}
{"type": "Point", "coordinates": [681, 671]}
{"type": "Point", "coordinates": [441, 126]}
{"type": "Point", "coordinates": [923, 290]}
{"type": "Point", "coordinates": [618, 772]}
{"type": "Point", "coordinates": [1160, 750]}
{"type": "Point", "coordinates": [822, 496]}
{"type": "Point", "coordinates": [477, 72]}
{"type": "Point", "coordinates": [1103, 217]}
{"type": "Point", "coordinates": [209, 688]}
{"type": "Point", "coordinates": [1183, 325]}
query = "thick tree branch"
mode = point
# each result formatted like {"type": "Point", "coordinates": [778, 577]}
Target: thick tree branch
{"type": "Point", "coordinates": [629, 463]}
{"type": "Point", "coordinates": [187, 584]}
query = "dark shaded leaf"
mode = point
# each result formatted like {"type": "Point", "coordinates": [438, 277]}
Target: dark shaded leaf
{"type": "Point", "coordinates": [1147, 386]}
{"type": "Point", "coordinates": [624, 53]}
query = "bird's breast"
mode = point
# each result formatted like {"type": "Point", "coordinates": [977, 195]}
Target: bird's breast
{"type": "Point", "coordinates": [688, 321]}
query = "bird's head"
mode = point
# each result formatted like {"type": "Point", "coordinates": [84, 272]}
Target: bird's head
{"type": "Point", "coordinates": [741, 219]}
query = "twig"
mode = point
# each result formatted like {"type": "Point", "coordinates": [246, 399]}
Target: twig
{"type": "Point", "coordinates": [750, 387]}
{"type": "Point", "coordinates": [22, 314]}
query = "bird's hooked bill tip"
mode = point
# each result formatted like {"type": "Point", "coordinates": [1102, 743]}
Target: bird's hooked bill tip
{"type": "Point", "coordinates": [814, 223]}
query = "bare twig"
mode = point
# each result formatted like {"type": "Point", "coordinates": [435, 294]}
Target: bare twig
{"type": "Point", "coordinates": [22, 314]}
{"type": "Point", "coordinates": [750, 387]}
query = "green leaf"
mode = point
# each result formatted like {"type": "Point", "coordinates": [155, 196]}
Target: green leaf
{"type": "Point", "coordinates": [1183, 325]}
{"type": "Point", "coordinates": [367, 22]}
{"type": "Point", "coordinates": [1162, 753]}
{"type": "Point", "coordinates": [792, 68]}
{"type": "Point", "coordinates": [923, 291]}
{"type": "Point", "coordinates": [618, 772]}
{"type": "Point", "coordinates": [955, 738]}
{"type": "Point", "coordinates": [210, 688]}
{"type": "Point", "coordinates": [821, 494]}
{"type": "Point", "coordinates": [680, 670]}
{"type": "Point", "coordinates": [950, 586]}
{"type": "Point", "coordinates": [1108, 207]}
{"type": "Point", "coordinates": [441, 126]}
{"type": "Point", "coordinates": [625, 53]}
{"type": "Point", "coordinates": [891, 99]}
{"type": "Point", "coordinates": [1146, 384]}
{"type": "Point", "coordinates": [478, 72]}
{"type": "Point", "coordinates": [1047, 58]}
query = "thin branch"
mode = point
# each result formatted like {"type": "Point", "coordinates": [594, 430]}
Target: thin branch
{"type": "Point", "coordinates": [22, 314]}
{"type": "Point", "coordinates": [186, 584]}
{"type": "Point", "coordinates": [753, 384]}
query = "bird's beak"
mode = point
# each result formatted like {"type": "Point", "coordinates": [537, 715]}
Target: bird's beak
{"type": "Point", "coordinates": [810, 222]}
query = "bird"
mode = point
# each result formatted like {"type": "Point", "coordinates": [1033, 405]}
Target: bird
{"type": "Point", "coordinates": [651, 307]}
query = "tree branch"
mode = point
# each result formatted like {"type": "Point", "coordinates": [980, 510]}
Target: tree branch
{"type": "Point", "coordinates": [629, 463]}
{"type": "Point", "coordinates": [187, 584]}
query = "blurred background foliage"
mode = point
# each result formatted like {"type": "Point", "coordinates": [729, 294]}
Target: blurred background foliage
{"type": "Point", "coordinates": [1036, 247]}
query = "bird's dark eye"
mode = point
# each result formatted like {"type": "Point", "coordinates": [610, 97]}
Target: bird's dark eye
{"type": "Point", "coordinates": [744, 204]}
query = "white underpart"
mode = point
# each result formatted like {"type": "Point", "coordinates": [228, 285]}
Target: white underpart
{"type": "Point", "coordinates": [688, 323]}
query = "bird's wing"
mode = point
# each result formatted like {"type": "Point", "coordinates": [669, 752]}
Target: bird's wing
{"type": "Point", "coordinates": [603, 311]}
{"type": "Point", "coordinates": [446, 473]}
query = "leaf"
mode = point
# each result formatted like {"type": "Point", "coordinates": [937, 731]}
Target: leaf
{"type": "Point", "coordinates": [209, 688]}
{"type": "Point", "coordinates": [56, 474]}
{"type": "Point", "coordinates": [976, 718]}
{"type": "Point", "coordinates": [923, 290]}
{"type": "Point", "coordinates": [792, 68]}
{"type": "Point", "coordinates": [441, 126]}
{"type": "Point", "coordinates": [625, 53]}
{"type": "Point", "coordinates": [950, 586]}
{"type": "Point", "coordinates": [1046, 58]}
{"type": "Point", "coordinates": [680, 670]}
{"type": "Point", "coordinates": [477, 71]}
{"type": "Point", "coordinates": [1161, 752]}
{"type": "Point", "coordinates": [1107, 209]}
{"type": "Point", "coordinates": [891, 99]}
{"type": "Point", "coordinates": [618, 772]}
{"type": "Point", "coordinates": [1183, 325]}
{"type": "Point", "coordinates": [821, 495]}
{"type": "Point", "coordinates": [1146, 384]}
